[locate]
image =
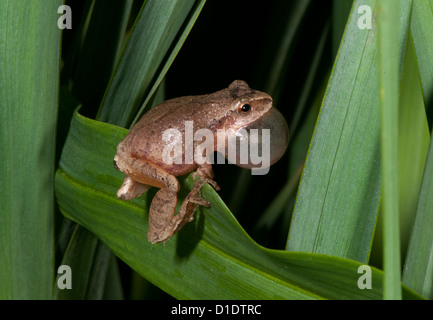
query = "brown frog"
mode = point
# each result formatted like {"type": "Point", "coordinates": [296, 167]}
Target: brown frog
{"type": "Point", "coordinates": [140, 155]}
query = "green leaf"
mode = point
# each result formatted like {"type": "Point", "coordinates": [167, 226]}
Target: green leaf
{"type": "Point", "coordinates": [417, 272]}
{"type": "Point", "coordinates": [158, 34]}
{"type": "Point", "coordinates": [342, 169]}
{"type": "Point", "coordinates": [29, 64]}
{"type": "Point", "coordinates": [339, 193]}
{"type": "Point", "coordinates": [414, 140]}
{"type": "Point", "coordinates": [210, 258]}
{"type": "Point", "coordinates": [422, 29]}
{"type": "Point", "coordinates": [102, 44]}
{"type": "Point", "coordinates": [388, 17]}
{"type": "Point", "coordinates": [87, 257]}
{"type": "Point", "coordinates": [340, 12]}
{"type": "Point", "coordinates": [277, 70]}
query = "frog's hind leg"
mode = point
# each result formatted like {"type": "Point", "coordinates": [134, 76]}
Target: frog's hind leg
{"type": "Point", "coordinates": [163, 224]}
{"type": "Point", "coordinates": [161, 216]}
{"type": "Point", "coordinates": [194, 198]}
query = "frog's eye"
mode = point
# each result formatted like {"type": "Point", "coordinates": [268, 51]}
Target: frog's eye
{"type": "Point", "coordinates": [244, 109]}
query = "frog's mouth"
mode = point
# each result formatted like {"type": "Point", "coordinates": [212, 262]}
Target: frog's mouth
{"type": "Point", "coordinates": [259, 144]}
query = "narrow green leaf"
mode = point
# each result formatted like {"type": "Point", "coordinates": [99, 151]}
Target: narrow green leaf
{"type": "Point", "coordinates": [113, 289]}
{"type": "Point", "coordinates": [274, 210]}
{"type": "Point", "coordinates": [87, 257]}
{"type": "Point", "coordinates": [29, 75]}
{"type": "Point", "coordinates": [422, 29]}
{"type": "Point", "coordinates": [276, 73]}
{"type": "Point", "coordinates": [413, 144]}
{"type": "Point", "coordinates": [418, 267]}
{"type": "Point", "coordinates": [100, 51]}
{"type": "Point", "coordinates": [150, 50]}
{"type": "Point", "coordinates": [210, 258]}
{"type": "Point", "coordinates": [70, 52]}
{"type": "Point", "coordinates": [388, 47]}
{"type": "Point", "coordinates": [307, 89]}
{"type": "Point", "coordinates": [155, 84]}
{"type": "Point", "coordinates": [418, 271]}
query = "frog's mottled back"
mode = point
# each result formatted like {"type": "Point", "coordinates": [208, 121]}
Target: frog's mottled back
{"type": "Point", "coordinates": [224, 109]}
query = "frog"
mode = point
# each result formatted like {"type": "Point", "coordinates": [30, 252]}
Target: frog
{"type": "Point", "coordinates": [139, 154]}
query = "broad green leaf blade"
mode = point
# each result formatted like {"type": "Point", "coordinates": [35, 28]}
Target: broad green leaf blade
{"type": "Point", "coordinates": [29, 64]}
{"type": "Point", "coordinates": [338, 197]}
{"type": "Point", "coordinates": [210, 258]}
{"type": "Point", "coordinates": [342, 168]}
{"type": "Point", "coordinates": [144, 59]}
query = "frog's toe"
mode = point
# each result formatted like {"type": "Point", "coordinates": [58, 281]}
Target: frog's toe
{"type": "Point", "coordinates": [205, 175]}
{"type": "Point", "coordinates": [199, 200]}
{"type": "Point", "coordinates": [214, 184]}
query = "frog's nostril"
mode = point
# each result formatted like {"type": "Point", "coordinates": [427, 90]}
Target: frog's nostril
{"type": "Point", "coordinates": [115, 165]}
